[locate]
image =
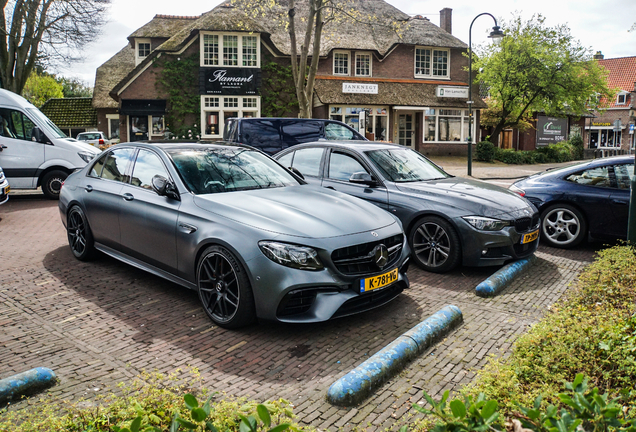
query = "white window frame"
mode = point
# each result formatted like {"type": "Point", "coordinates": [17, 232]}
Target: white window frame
{"type": "Point", "coordinates": [221, 109]}
{"type": "Point", "coordinates": [355, 63]}
{"type": "Point", "coordinates": [220, 46]}
{"type": "Point", "coordinates": [110, 117]}
{"type": "Point", "coordinates": [138, 58]}
{"type": "Point", "coordinates": [464, 119]}
{"type": "Point", "coordinates": [430, 75]}
{"type": "Point", "coordinates": [348, 54]}
{"type": "Point", "coordinates": [618, 96]}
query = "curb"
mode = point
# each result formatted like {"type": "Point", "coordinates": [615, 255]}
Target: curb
{"type": "Point", "coordinates": [26, 383]}
{"type": "Point", "coordinates": [503, 277]}
{"type": "Point", "coordinates": [358, 384]}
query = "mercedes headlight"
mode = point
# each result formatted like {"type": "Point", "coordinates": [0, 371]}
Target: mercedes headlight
{"type": "Point", "coordinates": [86, 156]}
{"type": "Point", "coordinates": [289, 255]}
{"type": "Point", "coordinates": [485, 223]}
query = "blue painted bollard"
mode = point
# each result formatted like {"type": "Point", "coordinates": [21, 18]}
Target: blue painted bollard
{"type": "Point", "coordinates": [358, 384]}
{"type": "Point", "coordinates": [26, 383]}
{"type": "Point", "coordinates": [503, 277]}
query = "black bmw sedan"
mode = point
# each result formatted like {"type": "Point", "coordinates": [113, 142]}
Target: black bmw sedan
{"type": "Point", "coordinates": [448, 220]}
{"type": "Point", "coordinates": [586, 198]}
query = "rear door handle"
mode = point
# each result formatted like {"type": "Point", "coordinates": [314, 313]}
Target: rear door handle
{"type": "Point", "coordinates": [619, 202]}
{"type": "Point", "coordinates": [89, 188]}
{"type": "Point", "coordinates": [330, 187]}
{"type": "Point", "coordinates": [128, 196]}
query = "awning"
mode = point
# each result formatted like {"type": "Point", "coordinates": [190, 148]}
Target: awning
{"type": "Point", "coordinates": [141, 107]}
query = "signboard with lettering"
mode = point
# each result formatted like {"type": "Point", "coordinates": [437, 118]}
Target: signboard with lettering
{"type": "Point", "coordinates": [452, 92]}
{"type": "Point", "coordinates": [229, 81]}
{"type": "Point", "coordinates": [359, 88]}
{"type": "Point", "coordinates": [551, 130]}
{"type": "Point", "coordinates": [601, 124]}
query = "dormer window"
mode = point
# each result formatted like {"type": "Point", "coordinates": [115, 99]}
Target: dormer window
{"type": "Point", "coordinates": [621, 99]}
{"type": "Point", "coordinates": [142, 49]}
{"type": "Point", "coordinates": [341, 63]}
{"type": "Point", "coordinates": [363, 64]}
{"type": "Point", "coordinates": [432, 62]}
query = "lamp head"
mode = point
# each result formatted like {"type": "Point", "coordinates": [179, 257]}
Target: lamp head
{"type": "Point", "coordinates": [496, 34]}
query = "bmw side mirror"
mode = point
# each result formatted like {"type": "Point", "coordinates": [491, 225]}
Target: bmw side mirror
{"type": "Point", "coordinates": [362, 178]}
{"type": "Point", "coordinates": [163, 187]}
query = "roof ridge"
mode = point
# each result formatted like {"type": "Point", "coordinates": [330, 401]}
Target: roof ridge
{"type": "Point", "coordinates": [190, 17]}
{"type": "Point", "coordinates": [617, 58]}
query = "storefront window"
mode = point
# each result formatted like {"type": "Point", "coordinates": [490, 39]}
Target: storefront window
{"type": "Point", "coordinates": [430, 124]}
{"type": "Point", "coordinates": [230, 102]}
{"type": "Point", "coordinates": [157, 125]}
{"type": "Point", "coordinates": [446, 125]}
{"type": "Point", "coordinates": [377, 120]}
{"type": "Point", "coordinates": [213, 117]}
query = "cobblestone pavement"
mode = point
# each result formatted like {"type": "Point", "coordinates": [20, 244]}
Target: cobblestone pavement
{"type": "Point", "coordinates": [96, 324]}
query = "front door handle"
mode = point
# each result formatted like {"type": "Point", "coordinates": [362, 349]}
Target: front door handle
{"type": "Point", "coordinates": [128, 196]}
{"type": "Point", "coordinates": [88, 188]}
{"type": "Point", "coordinates": [330, 187]}
{"type": "Point", "coordinates": [619, 202]}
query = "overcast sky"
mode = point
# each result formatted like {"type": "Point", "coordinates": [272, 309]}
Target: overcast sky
{"type": "Point", "coordinates": [601, 26]}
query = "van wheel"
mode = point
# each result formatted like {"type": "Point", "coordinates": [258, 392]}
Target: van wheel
{"type": "Point", "coordinates": [52, 183]}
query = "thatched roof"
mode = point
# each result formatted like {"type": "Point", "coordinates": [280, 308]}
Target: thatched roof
{"type": "Point", "coordinates": [420, 31]}
{"type": "Point", "coordinates": [162, 26]}
{"type": "Point", "coordinates": [407, 93]}
{"type": "Point", "coordinates": [110, 74]}
{"type": "Point", "coordinates": [70, 112]}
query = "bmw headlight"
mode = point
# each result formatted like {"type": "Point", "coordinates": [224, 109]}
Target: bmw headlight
{"type": "Point", "coordinates": [86, 156]}
{"type": "Point", "coordinates": [485, 223]}
{"type": "Point", "coordinates": [289, 255]}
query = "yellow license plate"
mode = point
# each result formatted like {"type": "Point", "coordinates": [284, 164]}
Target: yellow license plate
{"type": "Point", "coordinates": [7, 190]}
{"type": "Point", "coordinates": [375, 282]}
{"type": "Point", "coordinates": [530, 237]}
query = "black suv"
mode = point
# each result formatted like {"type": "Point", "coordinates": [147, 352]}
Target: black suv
{"type": "Point", "coordinates": [272, 135]}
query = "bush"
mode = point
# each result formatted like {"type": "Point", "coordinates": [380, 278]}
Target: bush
{"type": "Point", "coordinates": [561, 152]}
{"type": "Point", "coordinates": [485, 151]}
{"type": "Point", "coordinates": [577, 142]}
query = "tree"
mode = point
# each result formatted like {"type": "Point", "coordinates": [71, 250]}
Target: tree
{"type": "Point", "coordinates": [43, 31]}
{"type": "Point", "coordinates": [40, 88]}
{"type": "Point", "coordinates": [313, 15]}
{"type": "Point", "coordinates": [538, 69]}
{"type": "Point", "coordinates": [73, 87]}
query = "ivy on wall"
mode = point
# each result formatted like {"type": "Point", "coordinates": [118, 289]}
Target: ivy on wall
{"type": "Point", "coordinates": [278, 93]}
{"type": "Point", "coordinates": [179, 78]}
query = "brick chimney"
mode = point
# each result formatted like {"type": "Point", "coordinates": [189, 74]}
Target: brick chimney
{"type": "Point", "coordinates": [599, 56]}
{"type": "Point", "coordinates": [446, 20]}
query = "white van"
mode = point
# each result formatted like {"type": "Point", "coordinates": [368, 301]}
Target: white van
{"type": "Point", "coordinates": [33, 151]}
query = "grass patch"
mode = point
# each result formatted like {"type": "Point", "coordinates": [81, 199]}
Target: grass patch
{"type": "Point", "coordinates": [152, 397]}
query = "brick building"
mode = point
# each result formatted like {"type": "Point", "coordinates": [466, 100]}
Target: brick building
{"type": "Point", "coordinates": [614, 128]}
{"type": "Point", "coordinates": [412, 84]}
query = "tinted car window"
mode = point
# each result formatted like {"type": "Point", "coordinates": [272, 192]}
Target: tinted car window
{"type": "Point", "coordinates": [405, 165]}
{"type": "Point", "coordinates": [262, 134]}
{"type": "Point", "coordinates": [624, 174]}
{"type": "Point", "coordinates": [598, 176]}
{"type": "Point", "coordinates": [307, 161]}
{"type": "Point", "coordinates": [341, 166]}
{"type": "Point", "coordinates": [146, 167]}
{"type": "Point", "coordinates": [300, 132]}
{"type": "Point", "coordinates": [116, 163]}
{"type": "Point", "coordinates": [334, 131]}
{"type": "Point", "coordinates": [226, 170]}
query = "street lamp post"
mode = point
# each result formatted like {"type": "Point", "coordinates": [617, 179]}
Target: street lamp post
{"type": "Point", "coordinates": [496, 34]}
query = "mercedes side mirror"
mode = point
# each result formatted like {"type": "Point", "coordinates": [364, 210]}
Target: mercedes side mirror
{"type": "Point", "coordinates": [363, 178]}
{"type": "Point", "coordinates": [164, 187]}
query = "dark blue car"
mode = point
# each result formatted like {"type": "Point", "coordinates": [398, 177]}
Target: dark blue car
{"type": "Point", "coordinates": [587, 198]}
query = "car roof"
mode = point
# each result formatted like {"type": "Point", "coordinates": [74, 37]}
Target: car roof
{"type": "Point", "coordinates": [349, 144]}
{"type": "Point", "coordinates": [176, 145]}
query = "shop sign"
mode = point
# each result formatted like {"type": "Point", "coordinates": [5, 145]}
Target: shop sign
{"type": "Point", "coordinates": [551, 130]}
{"type": "Point", "coordinates": [452, 92]}
{"type": "Point", "coordinates": [359, 88]}
{"type": "Point", "coordinates": [229, 81]}
{"type": "Point", "coordinates": [601, 124]}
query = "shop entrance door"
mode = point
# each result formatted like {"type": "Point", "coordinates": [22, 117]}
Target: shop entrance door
{"type": "Point", "coordinates": [406, 129]}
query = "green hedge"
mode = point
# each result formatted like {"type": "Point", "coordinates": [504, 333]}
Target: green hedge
{"type": "Point", "coordinates": [561, 152]}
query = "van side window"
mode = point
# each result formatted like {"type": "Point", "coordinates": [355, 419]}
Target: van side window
{"type": "Point", "coordinates": [262, 134]}
{"type": "Point", "coordinates": [334, 131]}
{"type": "Point", "coordinates": [295, 132]}
{"type": "Point", "coordinates": [14, 124]}
{"type": "Point", "coordinates": [116, 163]}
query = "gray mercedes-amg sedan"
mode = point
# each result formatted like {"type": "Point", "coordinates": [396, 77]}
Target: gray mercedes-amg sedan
{"type": "Point", "coordinates": [228, 221]}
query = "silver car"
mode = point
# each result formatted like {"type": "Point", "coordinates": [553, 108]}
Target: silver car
{"type": "Point", "coordinates": [4, 188]}
{"type": "Point", "coordinates": [228, 221]}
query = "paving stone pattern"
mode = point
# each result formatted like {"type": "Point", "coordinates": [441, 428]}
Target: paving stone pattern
{"type": "Point", "coordinates": [99, 323]}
